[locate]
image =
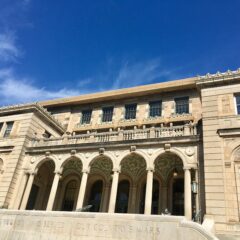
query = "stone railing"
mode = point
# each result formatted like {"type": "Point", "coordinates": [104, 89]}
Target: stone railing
{"type": "Point", "coordinates": [122, 135]}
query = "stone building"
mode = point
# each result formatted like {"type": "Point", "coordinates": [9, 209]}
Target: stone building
{"type": "Point", "coordinates": [171, 146]}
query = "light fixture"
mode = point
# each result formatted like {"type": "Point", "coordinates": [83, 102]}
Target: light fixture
{"type": "Point", "coordinates": [175, 173]}
{"type": "Point", "coordinates": [194, 187]}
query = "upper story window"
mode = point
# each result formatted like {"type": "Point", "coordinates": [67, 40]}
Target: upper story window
{"type": "Point", "coordinates": [130, 111]}
{"type": "Point", "coordinates": [1, 125]}
{"type": "Point", "coordinates": [86, 116]}
{"type": "Point", "coordinates": [237, 97]}
{"type": "Point", "coordinates": [107, 114]}
{"type": "Point", "coordinates": [8, 129]}
{"type": "Point", "coordinates": [155, 109]}
{"type": "Point", "coordinates": [182, 105]}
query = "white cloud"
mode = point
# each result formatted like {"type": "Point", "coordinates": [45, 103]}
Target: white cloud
{"type": "Point", "coordinates": [8, 49]}
{"type": "Point", "coordinates": [14, 90]}
{"type": "Point", "coordinates": [140, 73]}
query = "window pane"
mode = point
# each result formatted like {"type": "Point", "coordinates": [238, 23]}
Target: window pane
{"type": "Point", "coordinates": [182, 105]}
{"type": "Point", "coordinates": [238, 104]}
{"type": "Point", "coordinates": [130, 111]}
{"type": "Point", "coordinates": [8, 129]}
{"type": "Point", "coordinates": [107, 114]}
{"type": "Point", "coordinates": [155, 109]}
{"type": "Point", "coordinates": [86, 116]}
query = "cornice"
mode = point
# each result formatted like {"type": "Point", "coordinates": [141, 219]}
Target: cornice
{"type": "Point", "coordinates": [218, 79]}
{"type": "Point", "coordinates": [32, 107]}
{"type": "Point", "coordinates": [182, 84]}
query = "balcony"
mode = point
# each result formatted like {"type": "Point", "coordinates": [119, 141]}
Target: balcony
{"type": "Point", "coordinates": [122, 135]}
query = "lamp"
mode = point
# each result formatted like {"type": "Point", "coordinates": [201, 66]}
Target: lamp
{"type": "Point", "coordinates": [175, 173]}
{"type": "Point", "coordinates": [194, 187]}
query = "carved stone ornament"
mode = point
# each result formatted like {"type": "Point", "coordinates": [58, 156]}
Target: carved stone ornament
{"type": "Point", "coordinates": [101, 151]}
{"type": "Point", "coordinates": [33, 160]}
{"type": "Point", "coordinates": [87, 155]}
{"type": "Point", "coordinates": [167, 147]}
{"type": "Point", "coordinates": [189, 151]}
{"type": "Point", "coordinates": [133, 148]}
{"type": "Point", "coordinates": [150, 152]}
{"type": "Point", "coordinates": [47, 154]}
{"type": "Point", "coordinates": [73, 152]}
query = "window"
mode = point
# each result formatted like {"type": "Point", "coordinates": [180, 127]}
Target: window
{"type": "Point", "coordinates": [155, 109]}
{"type": "Point", "coordinates": [238, 103]}
{"type": "Point", "coordinates": [1, 125]}
{"type": "Point", "coordinates": [8, 129]}
{"type": "Point", "coordinates": [107, 114]}
{"type": "Point", "coordinates": [86, 116]}
{"type": "Point", "coordinates": [130, 111]}
{"type": "Point", "coordinates": [47, 134]}
{"type": "Point", "coordinates": [182, 105]}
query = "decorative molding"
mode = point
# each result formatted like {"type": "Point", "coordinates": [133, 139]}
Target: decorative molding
{"type": "Point", "coordinates": [218, 78]}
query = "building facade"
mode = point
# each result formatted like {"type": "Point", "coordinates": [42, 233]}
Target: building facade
{"type": "Point", "coordinates": [168, 147]}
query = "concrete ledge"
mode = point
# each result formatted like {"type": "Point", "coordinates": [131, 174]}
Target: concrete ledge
{"type": "Point", "coordinates": [29, 225]}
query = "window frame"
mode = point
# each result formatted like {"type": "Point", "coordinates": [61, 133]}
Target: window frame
{"type": "Point", "coordinates": [7, 132]}
{"type": "Point", "coordinates": [107, 116]}
{"type": "Point", "coordinates": [181, 106]}
{"type": "Point", "coordinates": [236, 103]}
{"type": "Point", "coordinates": [127, 106]}
{"type": "Point", "coordinates": [89, 117]}
{"type": "Point", "coordinates": [160, 108]}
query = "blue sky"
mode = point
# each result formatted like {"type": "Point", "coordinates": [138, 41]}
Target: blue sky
{"type": "Point", "coordinates": [51, 49]}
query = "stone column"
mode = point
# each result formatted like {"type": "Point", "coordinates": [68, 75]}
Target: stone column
{"type": "Point", "coordinates": [187, 194]}
{"type": "Point", "coordinates": [197, 194]}
{"type": "Point", "coordinates": [106, 198]}
{"type": "Point", "coordinates": [82, 189]}
{"type": "Point", "coordinates": [113, 196]}
{"type": "Point", "coordinates": [148, 196]}
{"type": "Point", "coordinates": [53, 191]}
{"type": "Point", "coordinates": [27, 191]}
{"type": "Point", "coordinates": [19, 191]}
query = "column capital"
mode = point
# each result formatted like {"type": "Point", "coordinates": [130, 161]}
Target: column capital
{"type": "Point", "coordinates": [86, 171]}
{"type": "Point", "coordinates": [186, 168]}
{"type": "Point", "coordinates": [118, 170]}
{"type": "Point", "coordinates": [150, 169]}
{"type": "Point", "coordinates": [29, 172]}
{"type": "Point", "coordinates": [58, 172]}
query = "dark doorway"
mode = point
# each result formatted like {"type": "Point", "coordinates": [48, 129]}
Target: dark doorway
{"type": "Point", "coordinates": [96, 196]}
{"type": "Point", "coordinates": [122, 197]}
{"type": "Point", "coordinates": [69, 196]}
{"type": "Point", "coordinates": [178, 197]}
{"type": "Point", "coordinates": [32, 197]}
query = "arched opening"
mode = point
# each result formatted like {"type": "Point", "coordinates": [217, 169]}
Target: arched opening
{"type": "Point", "coordinates": [169, 167]}
{"type": "Point", "coordinates": [41, 187]}
{"type": "Point", "coordinates": [122, 197]}
{"type": "Point", "coordinates": [99, 184]}
{"type": "Point", "coordinates": [68, 186]}
{"type": "Point", "coordinates": [70, 196]}
{"type": "Point", "coordinates": [96, 196]}
{"type": "Point", "coordinates": [133, 168]}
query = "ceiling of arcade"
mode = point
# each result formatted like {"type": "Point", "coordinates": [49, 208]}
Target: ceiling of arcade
{"type": "Point", "coordinates": [102, 165]}
{"type": "Point", "coordinates": [133, 166]}
{"type": "Point", "coordinates": [166, 163]}
{"type": "Point", "coordinates": [73, 165]}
